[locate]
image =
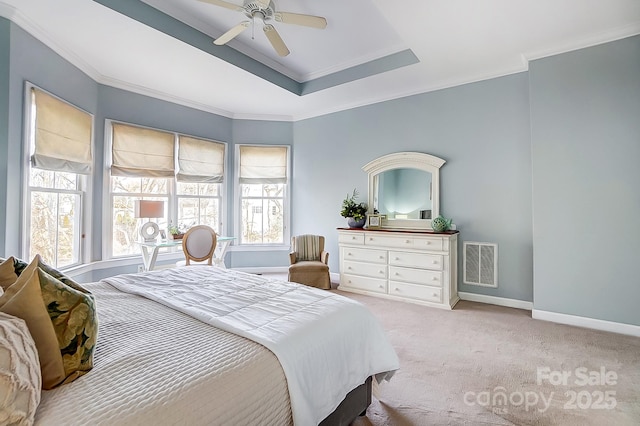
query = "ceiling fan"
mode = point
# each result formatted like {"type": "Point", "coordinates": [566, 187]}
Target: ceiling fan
{"type": "Point", "coordinates": [265, 10]}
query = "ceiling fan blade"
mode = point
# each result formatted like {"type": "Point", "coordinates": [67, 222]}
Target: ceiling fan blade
{"type": "Point", "coordinates": [223, 4]}
{"type": "Point", "coordinates": [298, 19]}
{"type": "Point", "coordinates": [224, 38]}
{"type": "Point", "coordinates": [276, 40]}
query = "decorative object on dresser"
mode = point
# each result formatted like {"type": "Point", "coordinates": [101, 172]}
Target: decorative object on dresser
{"type": "Point", "coordinates": [373, 221]}
{"type": "Point", "coordinates": [412, 266]}
{"type": "Point", "coordinates": [440, 224]}
{"type": "Point", "coordinates": [356, 213]}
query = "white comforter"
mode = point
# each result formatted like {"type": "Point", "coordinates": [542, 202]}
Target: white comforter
{"type": "Point", "coordinates": [327, 344]}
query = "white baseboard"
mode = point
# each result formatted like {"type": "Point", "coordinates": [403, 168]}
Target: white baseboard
{"type": "Point", "coordinates": [596, 324]}
{"type": "Point", "coordinates": [493, 300]}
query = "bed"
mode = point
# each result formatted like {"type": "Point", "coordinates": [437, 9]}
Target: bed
{"type": "Point", "coordinates": [201, 345]}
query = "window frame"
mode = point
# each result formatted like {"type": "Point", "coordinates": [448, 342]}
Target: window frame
{"type": "Point", "coordinates": [83, 182]}
{"type": "Point", "coordinates": [172, 187]}
{"type": "Point", "coordinates": [238, 244]}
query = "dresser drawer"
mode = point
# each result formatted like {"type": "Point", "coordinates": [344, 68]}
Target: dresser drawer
{"type": "Point", "coordinates": [369, 269]}
{"type": "Point", "coordinates": [416, 276]}
{"type": "Point", "coordinates": [433, 244]}
{"type": "Point", "coordinates": [351, 238]}
{"type": "Point", "coordinates": [364, 255]}
{"type": "Point", "coordinates": [364, 283]}
{"type": "Point", "coordinates": [420, 292]}
{"type": "Point", "coordinates": [416, 260]}
{"type": "Point", "coordinates": [399, 241]}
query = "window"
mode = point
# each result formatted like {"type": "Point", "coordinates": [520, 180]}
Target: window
{"type": "Point", "coordinates": [263, 181]}
{"type": "Point", "coordinates": [144, 166]}
{"type": "Point", "coordinates": [60, 158]}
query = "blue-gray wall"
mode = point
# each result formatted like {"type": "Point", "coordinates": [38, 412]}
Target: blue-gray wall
{"type": "Point", "coordinates": [585, 116]}
{"type": "Point", "coordinates": [5, 54]}
{"type": "Point", "coordinates": [481, 130]}
{"type": "Point", "coordinates": [568, 128]}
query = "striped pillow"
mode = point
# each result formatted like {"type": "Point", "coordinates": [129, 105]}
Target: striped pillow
{"type": "Point", "coordinates": [307, 247]}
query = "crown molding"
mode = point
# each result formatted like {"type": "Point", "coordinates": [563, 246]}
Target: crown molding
{"type": "Point", "coordinates": [582, 43]}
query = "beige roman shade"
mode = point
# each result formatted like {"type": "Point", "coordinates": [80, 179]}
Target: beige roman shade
{"type": "Point", "coordinates": [141, 152]}
{"type": "Point", "coordinates": [62, 136]}
{"type": "Point", "coordinates": [263, 164]}
{"type": "Point", "coordinates": [200, 160]}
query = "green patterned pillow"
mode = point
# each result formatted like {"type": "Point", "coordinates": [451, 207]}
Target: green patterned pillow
{"type": "Point", "coordinates": [20, 265]}
{"type": "Point", "coordinates": [73, 314]}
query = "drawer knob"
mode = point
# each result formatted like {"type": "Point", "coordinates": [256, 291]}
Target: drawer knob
{"type": "Point", "coordinates": [397, 258]}
{"type": "Point", "coordinates": [348, 267]}
{"type": "Point", "coordinates": [397, 289]}
{"type": "Point", "coordinates": [407, 241]}
{"type": "Point", "coordinates": [435, 294]}
{"type": "Point", "coordinates": [349, 281]}
{"type": "Point", "coordinates": [370, 239]}
{"type": "Point", "coordinates": [380, 272]}
{"type": "Point", "coordinates": [349, 254]}
{"type": "Point", "coordinates": [381, 257]}
{"type": "Point", "coordinates": [380, 286]}
{"type": "Point", "coordinates": [397, 273]}
{"type": "Point", "coordinates": [434, 279]}
{"type": "Point", "coordinates": [428, 242]}
{"type": "Point", "coordinates": [435, 262]}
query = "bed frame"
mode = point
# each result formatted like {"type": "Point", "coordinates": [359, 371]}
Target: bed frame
{"type": "Point", "coordinates": [353, 405]}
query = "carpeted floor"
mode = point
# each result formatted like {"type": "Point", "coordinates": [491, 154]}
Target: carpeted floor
{"type": "Point", "coordinates": [489, 365]}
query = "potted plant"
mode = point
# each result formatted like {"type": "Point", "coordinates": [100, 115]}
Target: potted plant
{"type": "Point", "coordinates": [175, 232]}
{"type": "Point", "coordinates": [356, 213]}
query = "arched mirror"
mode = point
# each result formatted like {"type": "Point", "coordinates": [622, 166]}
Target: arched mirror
{"type": "Point", "coordinates": [404, 188]}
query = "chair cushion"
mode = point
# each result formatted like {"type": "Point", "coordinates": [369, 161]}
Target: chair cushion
{"type": "Point", "coordinates": [20, 377]}
{"type": "Point", "coordinates": [308, 266]}
{"type": "Point", "coordinates": [307, 247]}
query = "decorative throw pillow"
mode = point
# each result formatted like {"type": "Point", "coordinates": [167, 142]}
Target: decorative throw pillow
{"type": "Point", "coordinates": [75, 322]}
{"type": "Point", "coordinates": [23, 299]}
{"type": "Point", "coordinates": [20, 266]}
{"type": "Point", "coordinates": [72, 322]}
{"type": "Point", "coordinates": [20, 379]}
{"type": "Point", "coordinates": [7, 274]}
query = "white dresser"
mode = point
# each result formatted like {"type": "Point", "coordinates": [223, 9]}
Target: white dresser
{"type": "Point", "coordinates": [413, 266]}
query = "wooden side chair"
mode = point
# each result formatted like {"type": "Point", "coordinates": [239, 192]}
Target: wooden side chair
{"type": "Point", "coordinates": [309, 261]}
{"type": "Point", "coordinates": [199, 244]}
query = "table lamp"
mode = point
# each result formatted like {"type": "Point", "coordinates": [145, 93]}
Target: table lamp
{"type": "Point", "coordinates": [149, 209]}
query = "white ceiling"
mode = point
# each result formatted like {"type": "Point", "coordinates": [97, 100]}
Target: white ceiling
{"type": "Point", "coordinates": [456, 41]}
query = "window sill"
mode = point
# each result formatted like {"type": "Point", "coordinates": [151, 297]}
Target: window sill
{"type": "Point", "coordinates": [260, 247]}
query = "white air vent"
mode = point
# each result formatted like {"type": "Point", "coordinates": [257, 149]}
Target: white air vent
{"type": "Point", "coordinates": [481, 264]}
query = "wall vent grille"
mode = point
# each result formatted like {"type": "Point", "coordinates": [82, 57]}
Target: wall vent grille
{"type": "Point", "coordinates": [480, 264]}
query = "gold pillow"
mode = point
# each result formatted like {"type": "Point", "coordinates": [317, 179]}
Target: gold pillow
{"type": "Point", "coordinates": [8, 275]}
{"type": "Point", "coordinates": [23, 299]}
{"type": "Point", "coordinates": [71, 322]}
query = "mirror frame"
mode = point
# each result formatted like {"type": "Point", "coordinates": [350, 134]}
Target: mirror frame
{"type": "Point", "coordinates": [411, 160]}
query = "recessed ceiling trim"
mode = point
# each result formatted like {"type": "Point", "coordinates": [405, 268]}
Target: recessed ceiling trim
{"type": "Point", "coordinates": [162, 22]}
{"type": "Point", "coordinates": [378, 66]}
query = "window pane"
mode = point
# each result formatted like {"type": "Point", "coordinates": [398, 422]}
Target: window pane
{"type": "Point", "coordinates": [65, 180]}
{"type": "Point", "coordinates": [126, 227]}
{"type": "Point", "coordinates": [273, 190]}
{"type": "Point", "coordinates": [209, 208]}
{"type": "Point", "coordinates": [154, 185]}
{"type": "Point", "coordinates": [273, 222]}
{"type": "Point", "coordinates": [252, 190]}
{"type": "Point", "coordinates": [41, 178]}
{"type": "Point", "coordinates": [251, 221]}
{"type": "Point", "coordinates": [209, 189]}
{"type": "Point", "coordinates": [188, 212]}
{"type": "Point", "coordinates": [187, 188]}
{"type": "Point", "coordinates": [44, 206]}
{"type": "Point", "coordinates": [125, 184]}
{"type": "Point", "coordinates": [68, 229]}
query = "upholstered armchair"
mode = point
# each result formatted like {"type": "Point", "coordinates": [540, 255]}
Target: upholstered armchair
{"type": "Point", "coordinates": [309, 261]}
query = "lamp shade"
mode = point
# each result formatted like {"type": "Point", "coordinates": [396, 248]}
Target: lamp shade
{"type": "Point", "coordinates": [147, 208]}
